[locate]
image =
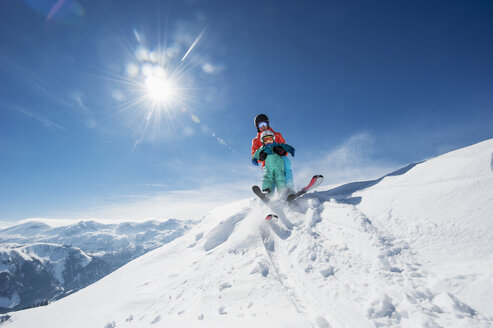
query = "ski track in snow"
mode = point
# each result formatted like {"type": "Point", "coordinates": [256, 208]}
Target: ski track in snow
{"type": "Point", "coordinates": [320, 267]}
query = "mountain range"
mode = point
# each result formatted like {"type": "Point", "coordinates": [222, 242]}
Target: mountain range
{"type": "Point", "coordinates": [40, 263]}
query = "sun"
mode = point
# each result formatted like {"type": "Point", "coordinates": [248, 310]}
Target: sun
{"type": "Point", "coordinates": [159, 87]}
{"type": "Point", "coordinates": [160, 90]}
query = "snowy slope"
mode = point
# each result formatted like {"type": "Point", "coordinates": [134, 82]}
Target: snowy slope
{"type": "Point", "coordinates": [444, 209]}
{"type": "Point", "coordinates": [410, 250]}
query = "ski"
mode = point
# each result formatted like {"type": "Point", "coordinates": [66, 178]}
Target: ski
{"type": "Point", "coordinates": [257, 191]}
{"type": "Point", "coordinates": [281, 232]}
{"type": "Point", "coordinates": [314, 182]}
{"type": "Point", "coordinates": [276, 207]}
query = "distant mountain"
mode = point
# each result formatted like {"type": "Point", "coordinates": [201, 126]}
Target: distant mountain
{"type": "Point", "coordinates": [40, 263]}
{"type": "Point", "coordinates": [33, 274]}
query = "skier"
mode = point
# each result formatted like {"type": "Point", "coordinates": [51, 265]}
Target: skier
{"type": "Point", "coordinates": [272, 153]}
{"type": "Point", "coordinates": [261, 122]}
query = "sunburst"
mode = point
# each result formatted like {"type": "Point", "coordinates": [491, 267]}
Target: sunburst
{"type": "Point", "coordinates": [157, 92]}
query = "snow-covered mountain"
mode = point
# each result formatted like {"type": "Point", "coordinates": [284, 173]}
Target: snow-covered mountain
{"type": "Point", "coordinates": [413, 249]}
{"type": "Point", "coordinates": [40, 263]}
{"type": "Point", "coordinates": [34, 274]}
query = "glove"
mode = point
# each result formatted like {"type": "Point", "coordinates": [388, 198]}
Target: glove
{"type": "Point", "coordinates": [262, 156]}
{"type": "Point", "coordinates": [279, 150]}
{"type": "Point", "coordinates": [254, 161]}
{"type": "Point", "coordinates": [292, 152]}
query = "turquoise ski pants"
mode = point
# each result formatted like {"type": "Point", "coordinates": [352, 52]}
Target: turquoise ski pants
{"type": "Point", "coordinates": [274, 174]}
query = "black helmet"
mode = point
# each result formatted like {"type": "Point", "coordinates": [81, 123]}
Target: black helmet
{"type": "Point", "coordinates": [260, 118]}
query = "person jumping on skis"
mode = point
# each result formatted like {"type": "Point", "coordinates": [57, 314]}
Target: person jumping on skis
{"type": "Point", "coordinates": [261, 122]}
{"type": "Point", "coordinates": [272, 153]}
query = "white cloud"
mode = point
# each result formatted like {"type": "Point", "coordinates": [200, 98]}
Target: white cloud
{"type": "Point", "coordinates": [4, 224]}
{"type": "Point", "coordinates": [89, 121]}
{"type": "Point", "coordinates": [210, 68]}
{"type": "Point", "coordinates": [38, 117]}
{"type": "Point", "coordinates": [178, 204]}
{"type": "Point", "coordinates": [353, 160]}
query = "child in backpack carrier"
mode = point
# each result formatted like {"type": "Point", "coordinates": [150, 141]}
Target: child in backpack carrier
{"type": "Point", "coordinates": [261, 123]}
{"type": "Point", "coordinates": [272, 152]}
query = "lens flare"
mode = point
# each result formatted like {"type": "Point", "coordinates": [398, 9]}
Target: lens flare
{"type": "Point", "coordinates": [62, 11]}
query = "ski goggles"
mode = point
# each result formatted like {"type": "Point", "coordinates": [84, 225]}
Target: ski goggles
{"type": "Point", "coordinates": [268, 138]}
{"type": "Point", "coordinates": [263, 125]}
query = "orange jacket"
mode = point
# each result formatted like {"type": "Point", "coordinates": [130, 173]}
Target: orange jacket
{"type": "Point", "coordinates": [257, 143]}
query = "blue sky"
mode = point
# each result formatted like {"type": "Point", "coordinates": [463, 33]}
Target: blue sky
{"type": "Point", "coordinates": [359, 88]}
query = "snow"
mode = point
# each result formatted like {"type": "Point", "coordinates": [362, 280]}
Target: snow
{"type": "Point", "coordinates": [413, 249]}
{"type": "Point", "coordinates": [444, 208]}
